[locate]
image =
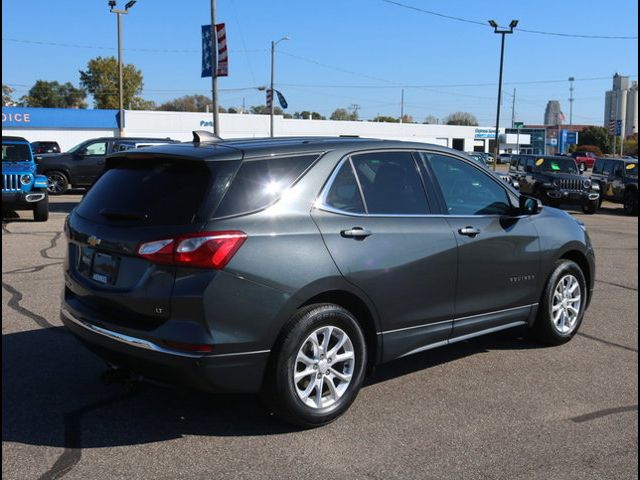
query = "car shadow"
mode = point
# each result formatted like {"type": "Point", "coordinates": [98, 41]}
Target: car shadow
{"type": "Point", "coordinates": [62, 207]}
{"type": "Point", "coordinates": [52, 395]}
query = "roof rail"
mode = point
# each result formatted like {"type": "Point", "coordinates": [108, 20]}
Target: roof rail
{"type": "Point", "coordinates": [349, 136]}
{"type": "Point", "coordinates": [205, 136]}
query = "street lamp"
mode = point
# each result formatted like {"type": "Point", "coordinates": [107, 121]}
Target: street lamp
{"type": "Point", "coordinates": [273, 64]}
{"type": "Point", "coordinates": [502, 32]}
{"type": "Point", "coordinates": [571, 80]}
{"type": "Point", "coordinates": [119, 13]}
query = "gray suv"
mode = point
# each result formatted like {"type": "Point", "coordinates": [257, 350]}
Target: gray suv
{"type": "Point", "coordinates": [292, 266]}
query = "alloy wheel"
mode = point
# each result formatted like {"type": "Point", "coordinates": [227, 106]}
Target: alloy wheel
{"type": "Point", "coordinates": [324, 367]}
{"type": "Point", "coordinates": [566, 304]}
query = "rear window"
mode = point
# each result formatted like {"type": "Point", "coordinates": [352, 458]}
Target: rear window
{"type": "Point", "coordinates": [261, 182]}
{"type": "Point", "coordinates": [157, 192]}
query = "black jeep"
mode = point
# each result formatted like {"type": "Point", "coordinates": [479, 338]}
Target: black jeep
{"type": "Point", "coordinates": [555, 180]}
{"type": "Point", "coordinates": [618, 180]}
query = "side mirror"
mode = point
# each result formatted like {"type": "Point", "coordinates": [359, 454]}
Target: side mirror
{"type": "Point", "coordinates": [80, 154]}
{"type": "Point", "coordinates": [515, 184]}
{"type": "Point", "coordinates": [530, 205]}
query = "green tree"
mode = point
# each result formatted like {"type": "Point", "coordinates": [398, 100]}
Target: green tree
{"type": "Point", "coordinates": [344, 114]}
{"type": "Point", "coordinates": [461, 118]}
{"type": "Point", "coordinates": [431, 120]}
{"type": "Point", "coordinates": [141, 104]}
{"type": "Point", "coordinates": [54, 95]}
{"type": "Point", "coordinates": [385, 118]}
{"type": "Point", "coordinates": [597, 136]}
{"type": "Point", "coordinates": [100, 79]}
{"type": "Point", "coordinates": [263, 110]}
{"type": "Point", "coordinates": [631, 145]}
{"type": "Point", "coordinates": [305, 115]}
{"type": "Point", "coordinates": [7, 91]}
{"type": "Point", "coordinates": [187, 103]}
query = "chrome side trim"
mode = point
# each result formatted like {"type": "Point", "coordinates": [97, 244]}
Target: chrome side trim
{"type": "Point", "coordinates": [145, 344]}
{"type": "Point", "coordinates": [487, 331]}
{"type": "Point", "coordinates": [463, 338]}
{"type": "Point", "coordinates": [417, 326]}
{"type": "Point", "coordinates": [457, 319]}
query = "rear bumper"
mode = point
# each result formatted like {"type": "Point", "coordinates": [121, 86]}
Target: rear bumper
{"type": "Point", "coordinates": [21, 200]}
{"type": "Point", "coordinates": [240, 372]}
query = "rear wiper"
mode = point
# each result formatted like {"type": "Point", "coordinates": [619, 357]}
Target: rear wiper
{"type": "Point", "coordinates": [122, 215]}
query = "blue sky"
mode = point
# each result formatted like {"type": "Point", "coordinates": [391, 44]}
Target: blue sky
{"type": "Point", "coordinates": [341, 52]}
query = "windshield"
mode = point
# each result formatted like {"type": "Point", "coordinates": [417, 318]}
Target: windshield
{"type": "Point", "coordinates": [559, 165]}
{"type": "Point", "coordinates": [631, 169]}
{"type": "Point", "coordinates": [16, 152]}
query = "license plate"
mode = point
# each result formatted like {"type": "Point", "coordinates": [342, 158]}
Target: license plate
{"type": "Point", "coordinates": [100, 267]}
{"type": "Point", "coordinates": [105, 268]}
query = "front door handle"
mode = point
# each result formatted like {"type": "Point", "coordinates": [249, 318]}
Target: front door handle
{"type": "Point", "coordinates": [356, 232]}
{"type": "Point", "coordinates": [469, 231]}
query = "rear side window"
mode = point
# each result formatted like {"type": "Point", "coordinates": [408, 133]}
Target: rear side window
{"type": "Point", "coordinates": [390, 183]}
{"type": "Point", "coordinates": [344, 194]}
{"type": "Point", "coordinates": [259, 183]}
{"type": "Point", "coordinates": [156, 192]}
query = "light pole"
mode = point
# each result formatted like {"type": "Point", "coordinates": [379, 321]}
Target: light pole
{"type": "Point", "coordinates": [273, 67]}
{"type": "Point", "coordinates": [571, 80]}
{"type": "Point", "coordinates": [119, 13]}
{"type": "Point", "coordinates": [502, 32]}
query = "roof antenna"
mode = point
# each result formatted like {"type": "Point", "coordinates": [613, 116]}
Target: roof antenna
{"type": "Point", "coordinates": [200, 136]}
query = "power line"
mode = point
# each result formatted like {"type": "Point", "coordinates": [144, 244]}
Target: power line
{"type": "Point", "coordinates": [485, 24]}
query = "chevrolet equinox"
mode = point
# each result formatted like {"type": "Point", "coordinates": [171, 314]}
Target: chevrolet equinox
{"type": "Point", "coordinates": [292, 266]}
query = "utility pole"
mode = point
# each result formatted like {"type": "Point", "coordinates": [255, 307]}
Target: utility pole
{"type": "Point", "coordinates": [513, 109]}
{"type": "Point", "coordinates": [273, 92]}
{"type": "Point", "coordinates": [119, 13]}
{"type": "Point", "coordinates": [214, 70]}
{"type": "Point", "coordinates": [571, 80]}
{"type": "Point", "coordinates": [502, 32]}
{"type": "Point", "coordinates": [401, 105]}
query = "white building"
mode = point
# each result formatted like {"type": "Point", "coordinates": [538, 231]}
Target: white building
{"type": "Point", "coordinates": [70, 127]}
{"type": "Point", "coordinates": [621, 104]}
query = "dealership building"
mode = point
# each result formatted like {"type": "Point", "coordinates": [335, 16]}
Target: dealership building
{"type": "Point", "coordinates": [69, 127]}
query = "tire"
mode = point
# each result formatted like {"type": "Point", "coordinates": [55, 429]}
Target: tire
{"type": "Point", "coordinates": [590, 207]}
{"type": "Point", "coordinates": [631, 203]}
{"type": "Point", "coordinates": [41, 210]}
{"type": "Point", "coordinates": [297, 401]}
{"type": "Point", "coordinates": [57, 182]}
{"type": "Point", "coordinates": [551, 328]}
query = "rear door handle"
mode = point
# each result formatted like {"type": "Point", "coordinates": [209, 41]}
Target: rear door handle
{"type": "Point", "coordinates": [356, 232]}
{"type": "Point", "coordinates": [469, 231]}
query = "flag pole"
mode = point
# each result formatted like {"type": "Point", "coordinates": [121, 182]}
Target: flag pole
{"type": "Point", "coordinates": [214, 70]}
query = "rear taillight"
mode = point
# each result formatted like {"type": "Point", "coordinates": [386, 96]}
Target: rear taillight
{"type": "Point", "coordinates": [202, 250]}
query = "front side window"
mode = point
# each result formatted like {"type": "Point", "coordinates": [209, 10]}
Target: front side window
{"type": "Point", "coordinates": [390, 183]}
{"type": "Point", "coordinates": [608, 167]}
{"type": "Point", "coordinates": [618, 170]}
{"type": "Point", "coordinates": [344, 194]}
{"type": "Point", "coordinates": [98, 148]}
{"type": "Point", "coordinates": [597, 167]}
{"type": "Point", "coordinates": [467, 190]}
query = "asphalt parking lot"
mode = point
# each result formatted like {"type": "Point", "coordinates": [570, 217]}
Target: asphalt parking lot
{"type": "Point", "coordinates": [498, 407]}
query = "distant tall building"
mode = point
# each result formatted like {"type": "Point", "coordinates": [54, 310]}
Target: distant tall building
{"type": "Point", "coordinates": [553, 114]}
{"type": "Point", "coordinates": [621, 103]}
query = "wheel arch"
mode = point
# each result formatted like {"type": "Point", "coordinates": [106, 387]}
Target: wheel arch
{"type": "Point", "coordinates": [581, 259]}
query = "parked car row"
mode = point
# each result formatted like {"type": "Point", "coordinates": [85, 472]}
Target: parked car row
{"type": "Point", "coordinates": [557, 180]}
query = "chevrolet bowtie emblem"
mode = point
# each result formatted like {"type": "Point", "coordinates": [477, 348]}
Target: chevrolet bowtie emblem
{"type": "Point", "coordinates": [93, 241]}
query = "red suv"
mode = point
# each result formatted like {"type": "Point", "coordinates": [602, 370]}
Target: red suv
{"type": "Point", "coordinates": [585, 160]}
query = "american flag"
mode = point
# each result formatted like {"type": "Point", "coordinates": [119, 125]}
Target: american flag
{"type": "Point", "coordinates": [222, 68]}
{"type": "Point", "coordinates": [561, 117]}
{"type": "Point", "coordinates": [269, 98]}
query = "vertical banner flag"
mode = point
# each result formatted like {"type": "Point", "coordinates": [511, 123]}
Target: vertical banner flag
{"type": "Point", "coordinates": [281, 99]}
{"type": "Point", "coordinates": [269, 98]}
{"type": "Point", "coordinates": [222, 68]}
{"type": "Point", "coordinates": [223, 54]}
